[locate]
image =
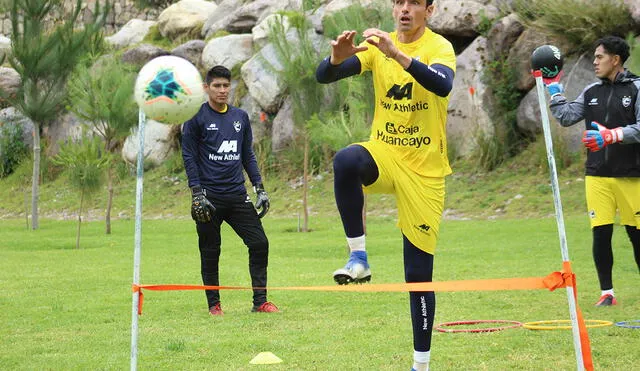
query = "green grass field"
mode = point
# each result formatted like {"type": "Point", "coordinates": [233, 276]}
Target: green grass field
{"type": "Point", "coordinates": [68, 309]}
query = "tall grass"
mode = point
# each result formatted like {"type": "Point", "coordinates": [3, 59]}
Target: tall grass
{"type": "Point", "coordinates": [579, 22]}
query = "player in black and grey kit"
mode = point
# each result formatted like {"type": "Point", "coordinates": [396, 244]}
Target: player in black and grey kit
{"type": "Point", "coordinates": [611, 110]}
{"type": "Point", "coordinates": [216, 147]}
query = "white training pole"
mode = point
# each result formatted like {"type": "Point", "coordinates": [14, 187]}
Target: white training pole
{"type": "Point", "coordinates": [559, 216]}
{"type": "Point", "coordinates": [137, 242]}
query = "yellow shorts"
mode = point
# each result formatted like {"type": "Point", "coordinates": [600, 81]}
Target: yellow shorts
{"type": "Point", "coordinates": [606, 195]}
{"type": "Point", "coordinates": [420, 199]}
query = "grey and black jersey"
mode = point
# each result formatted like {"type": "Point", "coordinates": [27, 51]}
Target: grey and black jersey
{"type": "Point", "coordinates": [612, 104]}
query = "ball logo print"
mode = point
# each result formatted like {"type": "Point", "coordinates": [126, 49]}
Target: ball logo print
{"type": "Point", "coordinates": [169, 90]}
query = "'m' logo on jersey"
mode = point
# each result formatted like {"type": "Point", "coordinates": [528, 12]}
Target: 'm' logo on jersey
{"type": "Point", "coordinates": [398, 92]}
{"type": "Point", "coordinates": [423, 228]}
{"type": "Point", "coordinates": [593, 102]}
{"type": "Point", "coordinates": [228, 146]}
{"type": "Point", "coordinates": [226, 152]}
{"type": "Point", "coordinates": [212, 127]}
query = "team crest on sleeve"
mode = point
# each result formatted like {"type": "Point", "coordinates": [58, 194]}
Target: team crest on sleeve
{"type": "Point", "coordinates": [237, 126]}
{"type": "Point", "coordinates": [626, 101]}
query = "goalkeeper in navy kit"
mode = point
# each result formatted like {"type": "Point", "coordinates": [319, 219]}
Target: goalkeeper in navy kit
{"type": "Point", "coordinates": [216, 147]}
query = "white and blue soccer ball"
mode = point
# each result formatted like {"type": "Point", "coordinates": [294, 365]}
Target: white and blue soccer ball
{"type": "Point", "coordinates": [169, 90]}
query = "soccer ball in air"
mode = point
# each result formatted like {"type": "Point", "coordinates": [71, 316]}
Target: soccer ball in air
{"type": "Point", "coordinates": [547, 59]}
{"type": "Point", "coordinates": [169, 90]}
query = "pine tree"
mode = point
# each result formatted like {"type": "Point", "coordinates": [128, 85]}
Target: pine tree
{"type": "Point", "coordinates": [44, 57]}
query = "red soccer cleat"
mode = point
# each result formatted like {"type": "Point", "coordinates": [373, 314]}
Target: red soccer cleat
{"type": "Point", "coordinates": [266, 307]}
{"type": "Point", "coordinates": [606, 301]}
{"type": "Point", "coordinates": [216, 310]}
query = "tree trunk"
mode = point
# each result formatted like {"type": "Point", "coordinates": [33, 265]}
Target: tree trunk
{"type": "Point", "coordinates": [35, 179]}
{"type": "Point", "coordinates": [26, 208]}
{"type": "Point", "coordinates": [107, 218]}
{"type": "Point", "coordinates": [305, 185]}
{"type": "Point", "coordinates": [79, 219]}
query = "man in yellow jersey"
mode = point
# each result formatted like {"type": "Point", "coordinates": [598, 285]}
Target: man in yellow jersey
{"type": "Point", "coordinates": [413, 70]}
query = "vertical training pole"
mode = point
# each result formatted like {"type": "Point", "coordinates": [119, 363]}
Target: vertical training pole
{"type": "Point", "coordinates": [559, 216]}
{"type": "Point", "coordinates": [137, 243]}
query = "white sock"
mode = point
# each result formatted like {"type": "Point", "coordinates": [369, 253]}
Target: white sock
{"type": "Point", "coordinates": [421, 360]}
{"type": "Point", "coordinates": [356, 243]}
{"type": "Point", "coordinates": [605, 292]}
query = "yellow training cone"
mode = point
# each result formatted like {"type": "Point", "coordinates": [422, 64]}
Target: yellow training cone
{"type": "Point", "coordinates": [265, 358]}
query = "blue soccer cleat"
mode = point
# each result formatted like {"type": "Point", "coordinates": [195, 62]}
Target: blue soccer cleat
{"type": "Point", "coordinates": [356, 271]}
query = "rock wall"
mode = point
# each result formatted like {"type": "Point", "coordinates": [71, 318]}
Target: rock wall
{"type": "Point", "coordinates": [123, 11]}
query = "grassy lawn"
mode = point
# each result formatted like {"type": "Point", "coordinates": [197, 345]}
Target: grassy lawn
{"type": "Point", "coordinates": [64, 308]}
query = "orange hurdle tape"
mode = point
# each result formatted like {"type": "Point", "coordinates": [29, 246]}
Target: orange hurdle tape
{"type": "Point", "coordinates": [551, 282]}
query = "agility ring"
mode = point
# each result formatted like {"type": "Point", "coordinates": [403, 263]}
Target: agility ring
{"type": "Point", "coordinates": [627, 324]}
{"type": "Point", "coordinates": [506, 325]}
{"type": "Point", "coordinates": [539, 325]}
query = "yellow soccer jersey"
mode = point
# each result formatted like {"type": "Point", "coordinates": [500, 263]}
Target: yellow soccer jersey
{"type": "Point", "coordinates": [410, 119]}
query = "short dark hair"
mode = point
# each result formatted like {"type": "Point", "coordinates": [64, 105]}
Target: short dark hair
{"type": "Point", "coordinates": [217, 72]}
{"type": "Point", "coordinates": [614, 45]}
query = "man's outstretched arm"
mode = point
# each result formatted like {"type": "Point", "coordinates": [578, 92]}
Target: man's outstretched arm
{"type": "Point", "coordinates": [327, 72]}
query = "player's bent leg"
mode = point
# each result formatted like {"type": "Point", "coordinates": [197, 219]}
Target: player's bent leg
{"type": "Point", "coordinates": [356, 270]}
{"type": "Point", "coordinates": [353, 167]}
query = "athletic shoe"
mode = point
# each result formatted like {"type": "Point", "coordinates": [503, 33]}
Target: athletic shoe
{"type": "Point", "coordinates": [216, 310]}
{"type": "Point", "coordinates": [356, 271]}
{"type": "Point", "coordinates": [606, 301]}
{"type": "Point", "coordinates": [266, 307]}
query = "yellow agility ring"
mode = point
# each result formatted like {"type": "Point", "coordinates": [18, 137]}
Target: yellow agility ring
{"type": "Point", "coordinates": [539, 325]}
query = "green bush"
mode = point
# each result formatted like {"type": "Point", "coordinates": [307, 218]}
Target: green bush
{"type": "Point", "coordinates": [12, 148]}
{"type": "Point", "coordinates": [578, 22]}
{"type": "Point", "coordinates": [506, 140]}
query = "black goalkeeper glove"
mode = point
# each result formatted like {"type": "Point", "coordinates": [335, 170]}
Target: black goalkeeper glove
{"type": "Point", "coordinates": [201, 209]}
{"type": "Point", "coordinates": [262, 202]}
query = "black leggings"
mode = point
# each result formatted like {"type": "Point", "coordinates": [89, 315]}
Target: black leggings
{"type": "Point", "coordinates": [418, 267]}
{"type": "Point", "coordinates": [353, 167]}
{"type": "Point", "coordinates": [603, 252]}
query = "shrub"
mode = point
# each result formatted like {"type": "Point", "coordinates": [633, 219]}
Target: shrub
{"type": "Point", "coordinates": [12, 148]}
{"type": "Point", "coordinates": [578, 22]}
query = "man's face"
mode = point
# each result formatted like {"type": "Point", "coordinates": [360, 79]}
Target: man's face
{"type": "Point", "coordinates": [411, 15]}
{"type": "Point", "coordinates": [218, 90]}
{"type": "Point", "coordinates": [604, 63]}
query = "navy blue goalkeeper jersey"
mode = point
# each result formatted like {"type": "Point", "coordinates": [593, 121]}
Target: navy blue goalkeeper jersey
{"type": "Point", "coordinates": [216, 147]}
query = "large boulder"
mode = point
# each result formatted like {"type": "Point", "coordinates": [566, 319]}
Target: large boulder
{"type": "Point", "coordinates": [131, 33]}
{"type": "Point", "coordinates": [5, 46]}
{"type": "Point", "coordinates": [191, 51]}
{"type": "Point", "coordinates": [503, 34]}
{"type": "Point", "coordinates": [142, 54]}
{"type": "Point", "coordinates": [227, 51]}
{"type": "Point", "coordinates": [9, 83]}
{"type": "Point", "coordinates": [283, 126]}
{"type": "Point", "coordinates": [184, 17]}
{"type": "Point", "coordinates": [158, 144]}
{"type": "Point", "coordinates": [460, 18]}
{"type": "Point", "coordinates": [11, 116]}
{"type": "Point", "coordinates": [247, 16]}
{"type": "Point", "coordinates": [469, 101]}
{"type": "Point", "coordinates": [219, 19]}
